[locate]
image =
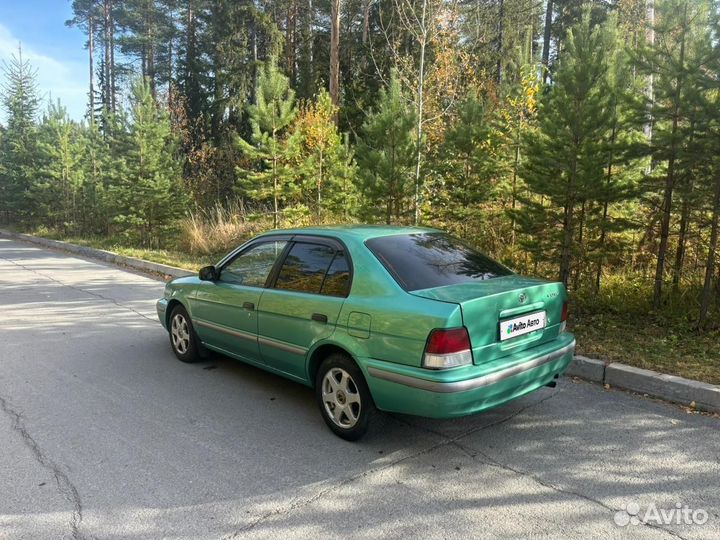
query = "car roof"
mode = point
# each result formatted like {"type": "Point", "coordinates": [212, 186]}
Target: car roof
{"type": "Point", "coordinates": [357, 232]}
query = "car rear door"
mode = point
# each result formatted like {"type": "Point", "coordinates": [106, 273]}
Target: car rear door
{"type": "Point", "coordinates": [303, 302]}
{"type": "Point", "coordinates": [225, 310]}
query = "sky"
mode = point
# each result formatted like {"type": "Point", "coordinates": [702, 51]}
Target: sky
{"type": "Point", "coordinates": [56, 51]}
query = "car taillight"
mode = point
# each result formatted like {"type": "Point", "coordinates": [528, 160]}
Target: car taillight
{"type": "Point", "coordinates": [447, 348]}
{"type": "Point", "coordinates": [563, 317]}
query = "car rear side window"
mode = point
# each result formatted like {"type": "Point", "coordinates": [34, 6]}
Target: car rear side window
{"type": "Point", "coordinates": [305, 267]}
{"type": "Point", "coordinates": [337, 280]}
{"type": "Point", "coordinates": [427, 260]}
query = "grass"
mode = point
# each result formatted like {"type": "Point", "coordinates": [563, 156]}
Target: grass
{"type": "Point", "coordinates": [170, 257]}
{"type": "Point", "coordinates": [619, 324]}
{"type": "Point", "coordinates": [616, 324]}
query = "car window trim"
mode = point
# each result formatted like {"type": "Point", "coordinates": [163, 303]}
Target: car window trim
{"type": "Point", "coordinates": [275, 272]}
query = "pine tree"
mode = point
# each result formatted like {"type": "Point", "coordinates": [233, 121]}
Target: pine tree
{"type": "Point", "coordinates": [710, 203]}
{"type": "Point", "coordinates": [516, 119]}
{"type": "Point", "coordinates": [328, 169]}
{"type": "Point", "coordinates": [386, 156]}
{"type": "Point", "coordinates": [494, 30]}
{"type": "Point", "coordinates": [624, 150]}
{"type": "Point", "coordinates": [239, 36]}
{"type": "Point", "coordinates": [709, 178]}
{"type": "Point", "coordinates": [148, 34]}
{"type": "Point", "coordinates": [467, 161]}
{"type": "Point", "coordinates": [18, 152]}
{"type": "Point", "coordinates": [147, 198]}
{"type": "Point", "coordinates": [98, 172]}
{"type": "Point", "coordinates": [58, 185]}
{"type": "Point", "coordinates": [564, 165]}
{"type": "Point", "coordinates": [676, 61]}
{"type": "Point", "coordinates": [192, 70]}
{"type": "Point", "coordinates": [273, 145]}
{"type": "Point", "coordinates": [86, 16]}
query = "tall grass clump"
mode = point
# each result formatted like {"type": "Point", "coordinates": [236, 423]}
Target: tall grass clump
{"type": "Point", "coordinates": [220, 228]}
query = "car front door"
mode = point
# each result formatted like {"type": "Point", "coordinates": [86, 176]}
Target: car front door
{"type": "Point", "coordinates": [303, 304]}
{"type": "Point", "coordinates": [225, 310]}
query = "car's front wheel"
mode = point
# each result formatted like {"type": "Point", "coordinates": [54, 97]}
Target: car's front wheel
{"type": "Point", "coordinates": [343, 397]}
{"type": "Point", "coordinates": [183, 340]}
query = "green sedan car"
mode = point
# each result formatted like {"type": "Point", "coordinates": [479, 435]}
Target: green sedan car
{"type": "Point", "coordinates": [406, 320]}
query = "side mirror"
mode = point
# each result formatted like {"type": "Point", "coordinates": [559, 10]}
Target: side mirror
{"type": "Point", "coordinates": [208, 273]}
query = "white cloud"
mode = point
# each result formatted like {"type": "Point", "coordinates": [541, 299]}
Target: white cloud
{"type": "Point", "coordinates": [56, 78]}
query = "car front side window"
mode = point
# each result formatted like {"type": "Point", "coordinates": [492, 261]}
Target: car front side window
{"type": "Point", "coordinates": [252, 267]}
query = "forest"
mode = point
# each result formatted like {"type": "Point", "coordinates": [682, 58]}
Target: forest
{"type": "Point", "coordinates": [578, 141]}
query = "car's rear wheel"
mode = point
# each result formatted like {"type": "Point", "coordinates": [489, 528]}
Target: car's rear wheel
{"type": "Point", "coordinates": [343, 397]}
{"type": "Point", "coordinates": [183, 340]}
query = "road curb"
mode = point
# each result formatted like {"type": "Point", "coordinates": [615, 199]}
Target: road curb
{"type": "Point", "coordinates": [100, 254]}
{"type": "Point", "coordinates": [668, 387]}
{"type": "Point", "coordinates": [705, 396]}
{"type": "Point", "coordinates": [587, 368]}
{"type": "Point", "coordinates": [700, 395]}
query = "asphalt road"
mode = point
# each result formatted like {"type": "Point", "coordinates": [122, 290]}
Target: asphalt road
{"type": "Point", "coordinates": [104, 434]}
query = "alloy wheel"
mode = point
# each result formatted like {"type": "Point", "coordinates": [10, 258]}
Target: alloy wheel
{"type": "Point", "coordinates": [341, 398]}
{"type": "Point", "coordinates": [180, 333]}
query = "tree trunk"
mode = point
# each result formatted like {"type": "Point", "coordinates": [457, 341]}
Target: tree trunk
{"type": "Point", "coordinates": [568, 228]}
{"type": "Point", "coordinates": [581, 230]}
{"type": "Point", "coordinates": [516, 164]}
{"type": "Point", "coordinates": [111, 44]}
{"type": "Point", "coordinates": [664, 229]}
{"type": "Point", "coordinates": [423, 36]}
{"type": "Point", "coordinates": [150, 50]}
{"type": "Point", "coordinates": [682, 241]}
{"type": "Point", "coordinates": [648, 128]}
{"type": "Point", "coordinates": [91, 46]}
{"type": "Point", "coordinates": [684, 223]}
{"type": "Point", "coordinates": [501, 25]}
{"type": "Point", "coordinates": [710, 263]}
{"type": "Point", "coordinates": [608, 180]}
{"type": "Point", "coordinates": [107, 19]}
{"type": "Point", "coordinates": [598, 272]}
{"type": "Point", "coordinates": [546, 39]}
{"type": "Point", "coordinates": [367, 6]}
{"type": "Point", "coordinates": [275, 193]}
{"type": "Point", "coordinates": [254, 34]}
{"type": "Point", "coordinates": [670, 179]}
{"type": "Point", "coordinates": [335, 56]}
{"type": "Point", "coordinates": [306, 86]}
{"type": "Point", "coordinates": [291, 40]}
{"type": "Point", "coordinates": [170, 68]}
{"type": "Point", "coordinates": [321, 172]}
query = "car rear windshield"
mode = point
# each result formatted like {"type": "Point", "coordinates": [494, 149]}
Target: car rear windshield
{"type": "Point", "coordinates": [427, 260]}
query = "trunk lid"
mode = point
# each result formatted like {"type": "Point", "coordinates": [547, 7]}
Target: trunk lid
{"type": "Point", "coordinates": [485, 304]}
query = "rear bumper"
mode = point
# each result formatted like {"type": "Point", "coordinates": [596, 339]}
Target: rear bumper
{"type": "Point", "coordinates": [467, 390]}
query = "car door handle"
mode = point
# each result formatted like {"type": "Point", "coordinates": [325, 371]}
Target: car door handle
{"type": "Point", "coordinates": [319, 317]}
{"type": "Point", "coordinates": [249, 305]}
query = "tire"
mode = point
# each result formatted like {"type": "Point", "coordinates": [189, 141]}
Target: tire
{"type": "Point", "coordinates": [343, 397]}
{"type": "Point", "coordinates": [183, 340]}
